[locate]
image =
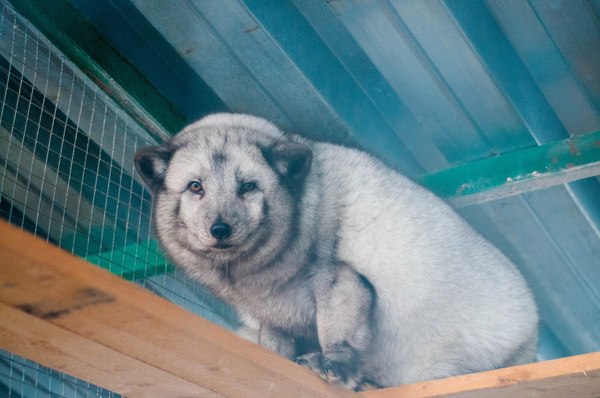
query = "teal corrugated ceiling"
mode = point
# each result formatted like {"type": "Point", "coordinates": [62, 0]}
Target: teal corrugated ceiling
{"type": "Point", "coordinates": [422, 84]}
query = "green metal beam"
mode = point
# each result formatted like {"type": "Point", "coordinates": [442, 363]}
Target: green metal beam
{"type": "Point", "coordinates": [517, 172]}
{"type": "Point", "coordinates": [133, 262]}
{"type": "Point", "coordinates": [79, 41]}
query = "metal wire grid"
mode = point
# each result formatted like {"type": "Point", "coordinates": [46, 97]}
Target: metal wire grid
{"type": "Point", "coordinates": [67, 174]}
{"type": "Point", "coordinates": [24, 378]}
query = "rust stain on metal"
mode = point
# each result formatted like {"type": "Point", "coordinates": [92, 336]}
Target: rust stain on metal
{"type": "Point", "coordinates": [573, 150]}
{"type": "Point", "coordinates": [99, 82]}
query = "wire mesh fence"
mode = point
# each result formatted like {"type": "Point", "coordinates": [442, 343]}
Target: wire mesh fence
{"type": "Point", "coordinates": [67, 175]}
{"type": "Point", "coordinates": [23, 378]}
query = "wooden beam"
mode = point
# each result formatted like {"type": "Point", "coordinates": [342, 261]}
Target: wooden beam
{"type": "Point", "coordinates": [55, 347]}
{"type": "Point", "coordinates": [62, 312]}
{"type": "Point", "coordinates": [573, 377]}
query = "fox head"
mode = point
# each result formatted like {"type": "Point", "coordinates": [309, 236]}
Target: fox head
{"type": "Point", "coordinates": [225, 187]}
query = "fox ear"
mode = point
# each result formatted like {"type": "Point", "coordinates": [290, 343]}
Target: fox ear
{"type": "Point", "coordinates": [152, 162]}
{"type": "Point", "coordinates": [291, 160]}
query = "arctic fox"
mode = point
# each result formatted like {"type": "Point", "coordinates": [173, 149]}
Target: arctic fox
{"type": "Point", "coordinates": [380, 280]}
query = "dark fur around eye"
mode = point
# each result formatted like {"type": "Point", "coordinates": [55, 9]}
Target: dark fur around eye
{"type": "Point", "coordinates": [196, 187]}
{"type": "Point", "coordinates": [246, 187]}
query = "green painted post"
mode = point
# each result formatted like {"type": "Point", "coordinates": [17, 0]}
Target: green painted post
{"type": "Point", "coordinates": [517, 172]}
{"type": "Point", "coordinates": [80, 42]}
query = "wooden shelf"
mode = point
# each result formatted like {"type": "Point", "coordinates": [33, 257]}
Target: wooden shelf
{"type": "Point", "coordinates": [572, 377]}
{"type": "Point", "coordinates": [65, 313]}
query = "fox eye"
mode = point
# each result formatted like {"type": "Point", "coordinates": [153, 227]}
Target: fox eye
{"type": "Point", "coordinates": [195, 187]}
{"type": "Point", "coordinates": [246, 187]}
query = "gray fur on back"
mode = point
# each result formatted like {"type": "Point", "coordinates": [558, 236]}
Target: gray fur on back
{"type": "Point", "coordinates": [326, 245]}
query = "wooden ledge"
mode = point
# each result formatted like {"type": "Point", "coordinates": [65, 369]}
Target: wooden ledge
{"type": "Point", "coordinates": [65, 313]}
{"type": "Point", "coordinates": [572, 377]}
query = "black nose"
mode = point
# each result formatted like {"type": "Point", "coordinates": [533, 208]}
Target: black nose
{"type": "Point", "coordinates": [220, 230]}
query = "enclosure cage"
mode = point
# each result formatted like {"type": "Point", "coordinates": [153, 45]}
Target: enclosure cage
{"type": "Point", "coordinates": [72, 116]}
{"type": "Point", "coordinates": [67, 176]}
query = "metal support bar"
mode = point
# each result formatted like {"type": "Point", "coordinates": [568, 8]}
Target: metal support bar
{"type": "Point", "coordinates": [76, 38]}
{"type": "Point", "coordinates": [517, 172]}
{"type": "Point", "coordinates": [133, 261]}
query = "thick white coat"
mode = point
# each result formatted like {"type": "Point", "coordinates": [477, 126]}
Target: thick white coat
{"type": "Point", "coordinates": [445, 300]}
{"type": "Point", "coordinates": [438, 282]}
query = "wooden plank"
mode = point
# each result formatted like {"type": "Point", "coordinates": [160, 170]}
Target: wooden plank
{"type": "Point", "coordinates": [61, 304]}
{"type": "Point", "coordinates": [573, 377]}
{"type": "Point", "coordinates": [62, 312]}
{"type": "Point", "coordinates": [31, 337]}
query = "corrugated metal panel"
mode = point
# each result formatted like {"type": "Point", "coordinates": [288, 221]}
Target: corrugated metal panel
{"type": "Point", "coordinates": [422, 84]}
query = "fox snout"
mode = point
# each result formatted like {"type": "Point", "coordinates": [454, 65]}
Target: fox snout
{"type": "Point", "coordinates": [221, 230]}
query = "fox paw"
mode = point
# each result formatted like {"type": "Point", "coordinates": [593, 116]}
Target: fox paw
{"type": "Point", "coordinates": [331, 371]}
